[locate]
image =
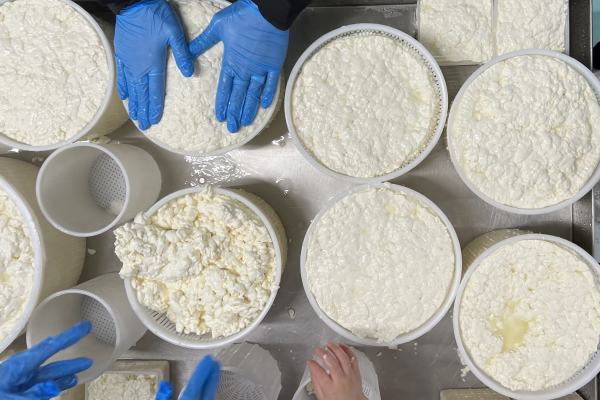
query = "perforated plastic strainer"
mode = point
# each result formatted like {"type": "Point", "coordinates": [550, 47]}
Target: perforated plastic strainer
{"type": "Point", "coordinates": [405, 40]}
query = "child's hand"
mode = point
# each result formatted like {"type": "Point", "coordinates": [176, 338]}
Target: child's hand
{"type": "Point", "coordinates": [343, 381]}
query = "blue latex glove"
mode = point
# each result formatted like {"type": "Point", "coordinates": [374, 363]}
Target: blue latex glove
{"type": "Point", "coordinates": [143, 33]}
{"type": "Point", "coordinates": [202, 384]}
{"type": "Point", "coordinates": [23, 378]}
{"type": "Point", "coordinates": [254, 54]}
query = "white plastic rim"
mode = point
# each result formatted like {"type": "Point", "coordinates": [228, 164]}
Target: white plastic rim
{"type": "Point", "coordinates": [109, 88]}
{"type": "Point", "coordinates": [224, 150]}
{"type": "Point", "coordinates": [434, 319]}
{"type": "Point", "coordinates": [38, 263]}
{"type": "Point", "coordinates": [595, 86]}
{"type": "Point", "coordinates": [190, 340]}
{"type": "Point", "coordinates": [576, 382]}
{"type": "Point", "coordinates": [441, 85]}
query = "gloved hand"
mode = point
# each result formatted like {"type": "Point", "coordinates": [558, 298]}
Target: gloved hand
{"type": "Point", "coordinates": [254, 54]}
{"type": "Point", "coordinates": [202, 384]}
{"type": "Point", "coordinates": [23, 378]}
{"type": "Point", "coordinates": [143, 33]}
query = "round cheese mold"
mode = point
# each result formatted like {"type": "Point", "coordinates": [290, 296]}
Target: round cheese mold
{"type": "Point", "coordinates": [524, 132]}
{"type": "Point", "coordinates": [380, 264]}
{"type": "Point", "coordinates": [528, 320]}
{"type": "Point", "coordinates": [57, 76]}
{"type": "Point", "coordinates": [189, 125]}
{"type": "Point", "coordinates": [202, 266]}
{"type": "Point", "coordinates": [366, 103]}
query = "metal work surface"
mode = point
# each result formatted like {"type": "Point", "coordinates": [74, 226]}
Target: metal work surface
{"type": "Point", "coordinates": [272, 168]}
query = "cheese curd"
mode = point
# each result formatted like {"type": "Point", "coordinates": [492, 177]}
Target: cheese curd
{"type": "Point", "coordinates": [365, 105]}
{"type": "Point", "coordinates": [204, 259]}
{"type": "Point", "coordinates": [112, 386]}
{"type": "Point", "coordinates": [53, 71]}
{"type": "Point", "coordinates": [189, 122]}
{"type": "Point", "coordinates": [526, 132]}
{"type": "Point", "coordinates": [531, 24]}
{"type": "Point", "coordinates": [380, 263]}
{"type": "Point", "coordinates": [16, 264]}
{"type": "Point", "coordinates": [457, 30]}
{"type": "Point", "coordinates": [530, 315]}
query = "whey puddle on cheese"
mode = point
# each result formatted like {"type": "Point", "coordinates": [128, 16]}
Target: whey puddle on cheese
{"type": "Point", "coordinates": [380, 263]}
{"type": "Point", "coordinates": [530, 314]}
{"type": "Point", "coordinates": [526, 132]}
{"type": "Point", "coordinates": [53, 71]}
{"type": "Point", "coordinates": [204, 259]}
{"type": "Point", "coordinates": [365, 105]}
{"type": "Point", "coordinates": [111, 386]}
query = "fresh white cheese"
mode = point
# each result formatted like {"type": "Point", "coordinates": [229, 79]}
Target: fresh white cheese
{"type": "Point", "coordinates": [16, 264]}
{"type": "Point", "coordinates": [53, 71]}
{"type": "Point", "coordinates": [527, 132]}
{"type": "Point", "coordinates": [111, 386]}
{"type": "Point", "coordinates": [189, 122]}
{"type": "Point", "coordinates": [380, 263]}
{"type": "Point", "coordinates": [204, 259]}
{"type": "Point", "coordinates": [365, 105]}
{"type": "Point", "coordinates": [457, 30]}
{"type": "Point", "coordinates": [530, 315]}
{"type": "Point", "coordinates": [531, 24]}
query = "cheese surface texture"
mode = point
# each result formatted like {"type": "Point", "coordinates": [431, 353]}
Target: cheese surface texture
{"type": "Point", "coordinates": [110, 386]}
{"type": "Point", "coordinates": [380, 263]}
{"type": "Point", "coordinates": [530, 315]}
{"type": "Point", "coordinates": [526, 132]}
{"type": "Point", "coordinates": [53, 71]}
{"type": "Point", "coordinates": [365, 105]}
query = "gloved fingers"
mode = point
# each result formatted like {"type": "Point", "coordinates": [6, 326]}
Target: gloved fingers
{"type": "Point", "coordinates": [181, 52]}
{"type": "Point", "coordinates": [133, 100]}
{"type": "Point", "coordinates": [165, 391]}
{"type": "Point", "coordinates": [223, 93]}
{"type": "Point", "coordinates": [206, 39]}
{"type": "Point", "coordinates": [143, 103]}
{"type": "Point", "coordinates": [236, 104]}
{"type": "Point", "coordinates": [42, 391]}
{"type": "Point", "coordinates": [157, 97]}
{"type": "Point", "coordinates": [252, 100]}
{"type": "Point", "coordinates": [121, 79]}
{"type": "Point", "coordinates": [199, 379]}
{"type": "Point", "coordinates": [66, 382]}
{"type": "Point", "coordinates": [63, 368]}
{"type": "Point", "coordinates": [270, 88]}
{"type": "Point", "coordinates": [210, 389]}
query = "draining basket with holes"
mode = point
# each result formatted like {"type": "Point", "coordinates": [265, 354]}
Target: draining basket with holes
{"type": "Point", "coordinates": [370, 384]}
{"type": "Point", "coordinates": [594, 85]}
{"type": "Point", "coordinates": [85, 189]}
{"type": "Point", "coordinates": [248, 372]}
{"type": "Point", "coordinates": [162, 327]}
{"type": "Point", "coordinates": [102, 301]}
{"type": "Point", "coordinates": [405, 40]}
{"type": "Point", "coordinates": [58, 258]}
{"type": "Point", "coordinates": [474, 253]}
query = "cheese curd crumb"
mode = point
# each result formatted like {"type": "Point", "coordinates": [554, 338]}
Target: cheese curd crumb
{"type": "Point", "coordinates": [111, 386]}
{"type": "Point", "coordinates": [380, 263]}
{"type": "Point", "coordinates": [530, 315]}
{"type": "Point", "coordinates": [365, 105]}
{"type": "Point", "coordinates": [204, 259]}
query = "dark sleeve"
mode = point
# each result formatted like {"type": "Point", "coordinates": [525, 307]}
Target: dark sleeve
{"type": "Point", "coordinates": [116, 5]}
{"type": "Point", "coordinates": [281, 13]}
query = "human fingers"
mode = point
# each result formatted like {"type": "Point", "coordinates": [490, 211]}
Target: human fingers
{"type": "Point", "coordinates": [319, 377]}
{"type": "Point", "coordinates": [199, 378]}
{"type": "Point", "coordinates": [206, 39]}
{"type": "Point", "coordinates": [181, 51]}
{"type": "Point", "coordinates": [270, 88]}
{"type": "Point", "coordinates": [341, 356]}
{"type": "Point", "coordinates": [142, 89]}
{"type": "Point", "coordinates": [236, 104]}
{"type": "Point", "coordinates": [66, 382]}
{"type": "Point", "coordinates": [223, 93]}
{"type": "Point", "coordinates": [213, 382]}
{"type": "Point", "coordinates": [42, 391]}
{"type": "Point", "coordinates": [63, 368]}
{"type": "Point", "coordinates": [121, 79]}
{"type": "Point", "coordinates": [157, 98]}
{"type": "Point", "coordinates": [133, 100]}
{"type": "Point", "coordinates": [335, 370]}
{"type": "Point", "coordinates": [252, 100]}
{"type": "Point", "coordinates": [165, 391]}
{"type": "Point", "coordinates": [351, 354]}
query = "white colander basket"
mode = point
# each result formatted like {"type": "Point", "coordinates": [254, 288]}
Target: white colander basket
{"type": "Point", "coordinates": [483, 247]}
{"type": "Point", "coordinates": [161, 326]}
{"type": "Point", "coordinates": [404, 39]}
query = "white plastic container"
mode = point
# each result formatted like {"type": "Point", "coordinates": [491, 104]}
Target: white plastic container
{"type": "Point", "coordinates": [102, 301]}
{"type": "Point", "coordinates": [111, 114]}
{"type": "Point", "coordinates": [58, 257]}
{"type": "Point", "coordinates": [384, 31]}
{"type": "Point", "coordinates": [595, 86]}
{"type": "Point", "coordinates": [415, 333]}
{"type": "Point", "coordinates": [367, 372]}
{"type": "Point", "coordinates": [248, 372]}
{"type": "Point", "coordinates": [269, 117]}
{"type": "Point", "coordinates": [162, 327]}
{"type": "Point", "coordinates": [85, 189]}
{"type": "Point", "coordinates": [486, 245]}
{"type": "Point", "coordinates": [159, 370]}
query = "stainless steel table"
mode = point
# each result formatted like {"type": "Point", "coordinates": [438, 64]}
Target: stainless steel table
{"type": "Point", "coordinates": [271, 167]}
